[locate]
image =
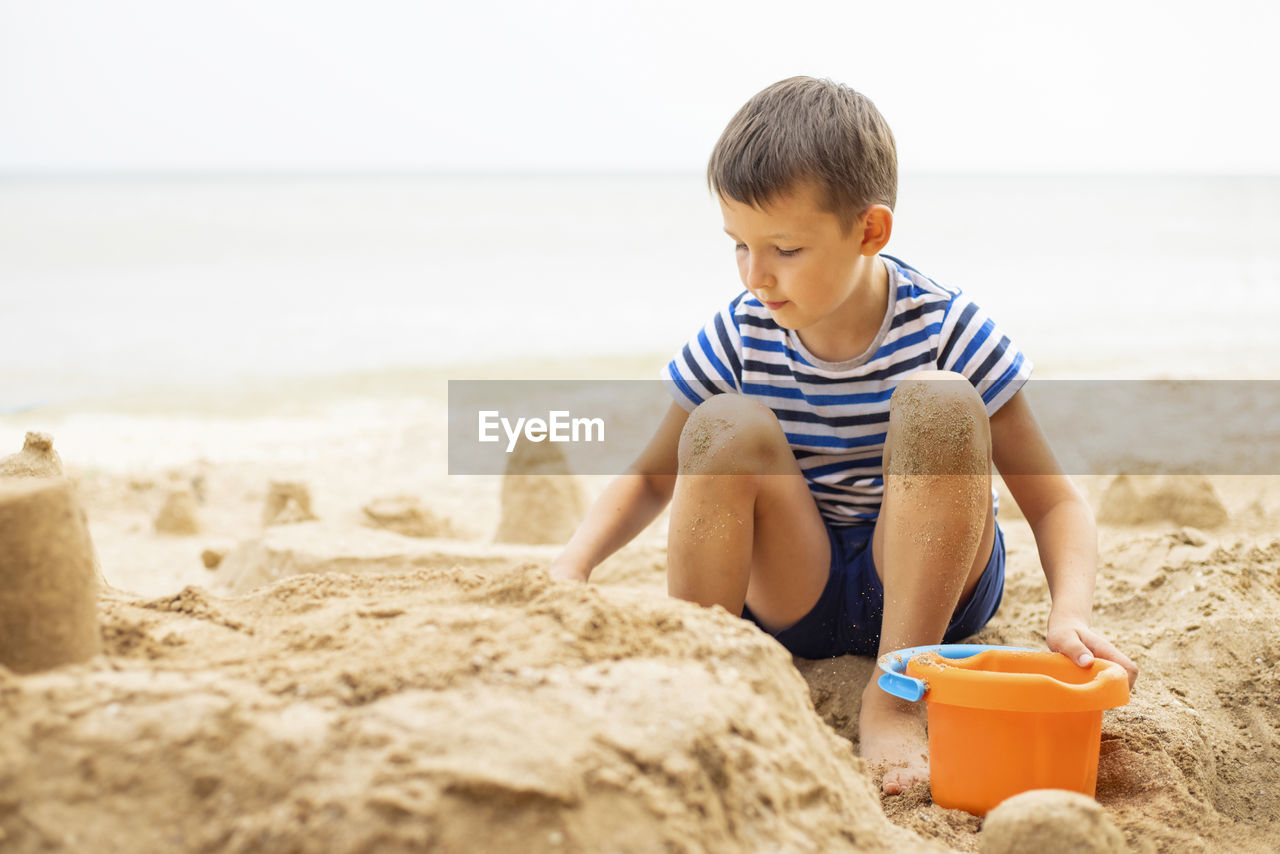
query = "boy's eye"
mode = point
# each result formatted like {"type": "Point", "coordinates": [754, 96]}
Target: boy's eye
{"type": "Point", "coordinates": [785, 253]}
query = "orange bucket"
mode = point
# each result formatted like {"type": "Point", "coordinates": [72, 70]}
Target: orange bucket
{"type": "Point", "coordinates": [1004, 720]}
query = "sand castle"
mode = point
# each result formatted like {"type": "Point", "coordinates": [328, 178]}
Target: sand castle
{"type": "Point", "coordinates": [542, 501]}
{"type": "Point", "coordinates": [213, 557]}
{"type": "Point", "coordinates": [177, 515]}
{"type": "Point", "coordinates": [288, 501]}
{"type": "Point", "coordinates": [408, 516]}
{"type": "Point", "coordinates": [48, 572]}
{"type": "Point", "coordinates": [36, 459]}
{"type": "Point", "coordinates": [1181, 499]}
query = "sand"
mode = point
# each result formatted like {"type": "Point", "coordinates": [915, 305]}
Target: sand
{"type": "Point", "coordinates": [287, 502]}
{"type": "Point", "coordinates": [542, 500]}
{"type": "Point", "coordinates": [178, 514]}
{"type": "Point", "coordinates": [36, 459]}
{"type": "Point", "coordinates": [1050, 820]}
{"type": "Point", "coordinates": [334, 685]}
{"type": "Point", "coordinates": [48, 586]}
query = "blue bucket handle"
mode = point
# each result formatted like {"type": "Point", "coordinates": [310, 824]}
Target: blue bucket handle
{"type": "Point", "coordinates": [895, 680]}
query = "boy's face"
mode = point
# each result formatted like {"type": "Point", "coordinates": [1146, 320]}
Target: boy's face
{"type": "Point", "coordinates": [796, 257]}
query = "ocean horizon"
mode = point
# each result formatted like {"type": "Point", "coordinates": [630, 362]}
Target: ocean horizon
{"type": "Point", "coordinates": [115, 283]}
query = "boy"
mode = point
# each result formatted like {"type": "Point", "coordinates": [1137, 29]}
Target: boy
{"type": "Point", "coordinates": [828, 452]}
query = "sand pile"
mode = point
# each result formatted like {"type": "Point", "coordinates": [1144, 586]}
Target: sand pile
{"type": "Point", "coordinates": [439, 709]}
{"type": "Point", "coordinates": [1199, 747]}
{"type": "Point", "coordinates": [1181, 499]}
{"type": "Point", "coordinates": [542, 501]}
{"type": "Point", "coordinates": [178, 515]}
{"type": "Point", "coordinates": [47, 579]}
{"type": "Point", "coordinates": [287, 502]}
{"type": "Point", "coordinates": [406, 515]}
{"type": "Point", "coordinates": [315, 547]}
{"type": "Point", "coordinates": [36, 459]}
{"type": "Point", "coordinates": [49, 574]}
{"type": "Point", "coordinates": [1050, 820]}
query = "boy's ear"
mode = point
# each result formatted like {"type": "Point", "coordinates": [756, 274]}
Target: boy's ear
{"type": "Point", "coordinates": [877, 225]}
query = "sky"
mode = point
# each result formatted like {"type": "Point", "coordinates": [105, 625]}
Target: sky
{"type": "Point", "coordinates": [594, 85]}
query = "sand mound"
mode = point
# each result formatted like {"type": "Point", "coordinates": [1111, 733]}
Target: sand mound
{"type": "Point", "coordinates": [177, 515]}
{"type": "Point", "coordinates": [47, 579]}
{"type": "Point", "coordinates": [407, 516]}
{"type": "Point", "coordinates": [439, 710]}
{"type": "Point", "coordinates": [36, 459]}
{"type": "Point", "coordinates": [542, 501]}
{"type": "Point", "coordinates": [1199, 746]}
{"type": "Point", "coordinates": [1180, 499]}
{"type": "Point", "coordinates": [288, 502]}
{"type": "Point", "coordinates": [314, 547]}
{"type": "Point", "coordinates": [1050, 820]}
{"type": "Point", "coordinates": [213, 557]}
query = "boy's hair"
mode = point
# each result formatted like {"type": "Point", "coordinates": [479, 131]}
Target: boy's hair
{"type": "Point", "coordinates": [801, 129]}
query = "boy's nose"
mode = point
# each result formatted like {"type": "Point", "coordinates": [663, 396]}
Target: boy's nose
{"type": "Point", "coordinates": [757, 274]}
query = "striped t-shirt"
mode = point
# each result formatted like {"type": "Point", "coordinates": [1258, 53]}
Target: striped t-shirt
{"type": "Point", "coordinates": [836, 414]}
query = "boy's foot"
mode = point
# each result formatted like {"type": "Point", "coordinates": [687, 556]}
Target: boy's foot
{"type": "Point", "coordinates": [893, 739]}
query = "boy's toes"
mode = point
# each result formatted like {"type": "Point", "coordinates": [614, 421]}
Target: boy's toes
{"type": "Point", "coordinates": [892, 737]}
{"type": "Point", "coordinates": [899, 778]}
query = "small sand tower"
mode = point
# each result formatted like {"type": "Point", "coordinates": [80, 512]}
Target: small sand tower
{"type": "Point", "coordinates": [542, 500]}
{"type": "Point", "coordinates": [36, 459]}
{"type": "Point", "coordinates": [48, 588]}
{"type": "Point", "coordinates": [287, 501]}
{"type": "Point", "coordinates": [49, 575]}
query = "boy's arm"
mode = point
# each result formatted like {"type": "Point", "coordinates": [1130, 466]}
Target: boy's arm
{"type": "Point", "coordinates": [1065, 533]}
{"type": "Point", "coordinates": [627, 505]}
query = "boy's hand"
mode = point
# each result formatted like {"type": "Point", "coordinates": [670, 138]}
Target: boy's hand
{"type": "Point", "coordinates": [1073, 637]}
{"type": "Point", "coordinates": [562, 569]}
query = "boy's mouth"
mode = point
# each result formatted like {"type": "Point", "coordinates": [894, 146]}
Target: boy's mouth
{"type": "Point", "coordinates": [774, 306]}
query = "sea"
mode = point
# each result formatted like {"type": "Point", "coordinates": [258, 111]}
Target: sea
{"type": "Point", "coordinates": [113, 284]}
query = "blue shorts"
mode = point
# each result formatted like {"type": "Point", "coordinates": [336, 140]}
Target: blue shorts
{"type": "Point", "coordinates": [846, 618]}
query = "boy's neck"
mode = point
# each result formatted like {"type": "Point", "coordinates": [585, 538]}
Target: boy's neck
{"type": "Point", "coordinates": [849, 330]}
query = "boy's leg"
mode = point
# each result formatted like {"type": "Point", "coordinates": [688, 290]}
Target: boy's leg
{"type": "Point", "coordinates": [932, 541]}
{"type": "Point", "coordinates": [744, 526]}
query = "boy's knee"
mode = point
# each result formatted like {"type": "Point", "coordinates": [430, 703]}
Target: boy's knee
{"type": "Point", "coordinates": [730, 434]}
{"type": "Point", "coordinates": [938, 425]}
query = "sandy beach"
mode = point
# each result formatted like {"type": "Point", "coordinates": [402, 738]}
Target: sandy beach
{"type": "Point", "coordinates": [365, 669]}
{"type": "Point", "coordinates": [264, 591]}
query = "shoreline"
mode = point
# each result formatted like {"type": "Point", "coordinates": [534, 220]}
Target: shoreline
{"type": "Point", "coordinates": [251, 396]}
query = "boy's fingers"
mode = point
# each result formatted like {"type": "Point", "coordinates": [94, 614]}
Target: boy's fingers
{"type": "Point", "coordinates": [1081, 655]}
{"type": "Point", "coordinates": [1104, 649]}
{"type": "Point", "coordinates": [1082, 645]}
{"type": "Point", "coordinates": [1074, 648]}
